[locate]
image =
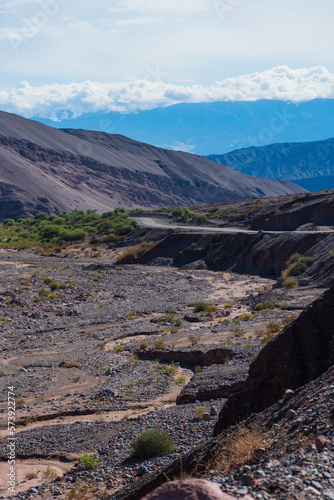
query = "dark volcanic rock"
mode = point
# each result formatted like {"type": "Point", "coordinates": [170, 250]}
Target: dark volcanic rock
{"type": "Point", "coordinates": [213, 383]}
{"type": "Point", "coordinates": [189, 357]}
{"type": "Point", "coordinates": [300, 354]}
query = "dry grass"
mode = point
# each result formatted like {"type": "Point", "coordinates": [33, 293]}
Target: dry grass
{"type": "Point", "coordinates": [69, 364]}
{"type": "Point", "coordinates": [239, 448]}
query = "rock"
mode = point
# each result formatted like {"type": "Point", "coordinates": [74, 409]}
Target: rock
{"type": "Point", "coordinates": [193, 318]}
{"type": "Point", "coordinates": [206, 417]}
{"type": "Point", "coordinates": [213, 411]}
{"type": "Point", "coordinates": [190, 489]}
{"type": "Point", "coordinates": [320, 442]}
{"type": "Point", "coordinates": [288, 394]}
{"type": "Point", "coordinates": [301, 401]}
{"type": "Point", "coordinates": [299, 354]}
{"type": "Point", "coordinates": [290, 414]}
{"type": "Point", "coordinates": [142, 471]}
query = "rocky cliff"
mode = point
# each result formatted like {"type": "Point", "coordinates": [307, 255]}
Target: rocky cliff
{"type": "Point", "coordinates": [300, 354]}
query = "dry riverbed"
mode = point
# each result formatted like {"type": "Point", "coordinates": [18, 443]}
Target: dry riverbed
{"type": "Point", "coordinates": [76, 338]}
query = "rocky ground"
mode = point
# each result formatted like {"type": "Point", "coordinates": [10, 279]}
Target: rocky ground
{"type": "Point", "coordinates": [96, 353]}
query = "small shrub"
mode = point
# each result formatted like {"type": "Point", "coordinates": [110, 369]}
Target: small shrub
{"type": "Point", "coordinates": [181, 379]}
{"type": "Point", "coordinates": [159, 344]}
{"type": "Point", "coordinates": [200, 410]}
{"type": "Point", "coordinates": [173, 329]}
{"type": "Point", "coordinates": [273, 327]}
{"type": "Point", "coordinates": [193, 340]}
{"type": "Point", "coordinates": [20, 403]}
{"type": "Point", "coordinates": [52, 296]}
{"type": "Point", "coordinates": [49, 474]}
{"type": "Point", "coordinates": [54, 285]}
{"type": "Point", "coordinates": [290, 283]}
{"type": "Point", "coordinates": [152, 443]}
{"type": "Point", "coordinates": [198, 369]}
{"type": "Point", "coordinates": [172, 370]}
{"type": "Point", "coordinates": [211, 309]}
{"type": "Point", "coordinates": [143, 346]}
{"type": "Point", "coordinates": [118, 349]}
{"type": "Point", "coordinates": [266, 304]}
{"type": "Point", "coordinates": [131, 315]}
{"type": "Point", "coordinates": [288, 320]}
{"type": "Point", "coordinates": [88, 461]}
{"type": "Point", "coordinates": [200, 307]}
{"type": "Point", "coordinates": [228, 306]}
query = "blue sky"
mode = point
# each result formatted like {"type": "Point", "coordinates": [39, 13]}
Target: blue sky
{"type": "Point", "coordinates": [71, 56]}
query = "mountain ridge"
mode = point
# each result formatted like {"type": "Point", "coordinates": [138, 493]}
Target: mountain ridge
{"type": "Point", "coordinates": [305, 162]}
{"type": "Point", "coordinates": [46, 169]}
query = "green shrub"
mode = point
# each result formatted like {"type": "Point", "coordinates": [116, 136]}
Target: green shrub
{"type": "Point", "coordinates": [152, 443]}
{"type": "Point", "coordinates": [200, 410]}
{"type": "Point", "coordinates": [297, 264]}
{"type": "Point", "coordinates": [200, 307]}
{"type": "Point", "coordinates": [159, 344]}
{"type": "Point", "coordinates": [290, 283]}
{"type": "Point", "coordinates": [88, 461]}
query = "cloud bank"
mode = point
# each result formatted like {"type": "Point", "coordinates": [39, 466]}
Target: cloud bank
{"type": "Point", "coordinates": [61, 101]}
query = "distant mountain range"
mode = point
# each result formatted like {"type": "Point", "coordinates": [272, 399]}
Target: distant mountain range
{"type": "Point", "coordinates": [55, 171]}
{"type": "Point", "coordinates": [310, 164]}
{"type": "Point", "coordinates": [216, 128]}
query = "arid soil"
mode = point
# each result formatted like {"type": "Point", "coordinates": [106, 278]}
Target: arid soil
{"type": "Point", "coordinates": [84, 384]}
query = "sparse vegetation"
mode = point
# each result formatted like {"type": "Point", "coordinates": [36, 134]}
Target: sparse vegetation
{"type": "Point", "coordinates": [200, 410]}
{"type": "Point", "coordinates": [290, 283]}
{"type": "Point", "coordinates": [87, 461]}
{"type": "Point", "coordinates": [297, 265]}
{"type": "Point", "coordinates": [200, 307]}
{"type": "Point", "coordinates": [152, 443]}
{"type": "Point", "coordinates": [159, 344]}
{"type": "Point", "coordinates": [49, 474]}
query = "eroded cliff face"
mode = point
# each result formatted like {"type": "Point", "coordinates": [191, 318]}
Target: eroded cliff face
{"type": "Point", "coordinates": [300, 354]}
{"type": "Point", "coordinates": [263, 254]}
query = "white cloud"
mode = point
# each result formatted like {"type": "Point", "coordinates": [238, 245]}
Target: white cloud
{"type": "Point", "coordinates": [53, 101]}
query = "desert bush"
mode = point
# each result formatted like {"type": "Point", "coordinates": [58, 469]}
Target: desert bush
{"type": "Point", "coordinates": [193, 340]}
{"type": "Point", "coordinates": [200, 410]}
{"type": "Point", "coordinates": [118, 349]}
{"type": "Point", "coordinates": [152, 443]}
{"type": "Point", "coordinates": [143, 346]}
{"type": "Point", "coordinates": [211, 309]}
{"type": "Point", "coordinates": [297, 264]}
{"type": "Point", "coordinates": [288, 320]}
{"type": "Point", "coordinates": [159, 344]}
{"type": "Point", "coordinates": [49, 474]}
{"type": "Point", "coordinates": [290, 283]}
{"type": "Point", "coordinates": [238, 448]}
{"type": "Point", "coordinates": [273, 327]}
{"type": "Point", "coordinates": [266, 304]}
{"type": "Point", "coordinates": [88, 461]}
{"type": "Point", "coordinates": [200, 307]}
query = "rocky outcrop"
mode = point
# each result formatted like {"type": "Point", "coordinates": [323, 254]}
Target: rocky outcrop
{"type": "Point", "coordinates": [188, 357]}
{"type": "Point", "coordinates": [300, 354]}
{"type": "Point", "coordinates": [263, 254]}
{"type": "Point", "coordinates": [213, 383]}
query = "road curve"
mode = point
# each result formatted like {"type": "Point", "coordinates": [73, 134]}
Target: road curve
{"type": "Point", "coordinates": [148, 222]}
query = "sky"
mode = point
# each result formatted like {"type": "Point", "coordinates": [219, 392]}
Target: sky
{"type": "Point", "coordinates": [65, 57]}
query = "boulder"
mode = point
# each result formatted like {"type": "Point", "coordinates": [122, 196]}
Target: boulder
{"type": "Point", "coordinates": [188, 489]}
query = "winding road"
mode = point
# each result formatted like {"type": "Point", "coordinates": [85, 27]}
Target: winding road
{"type": "Point", "coordinates": [149, 222]}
